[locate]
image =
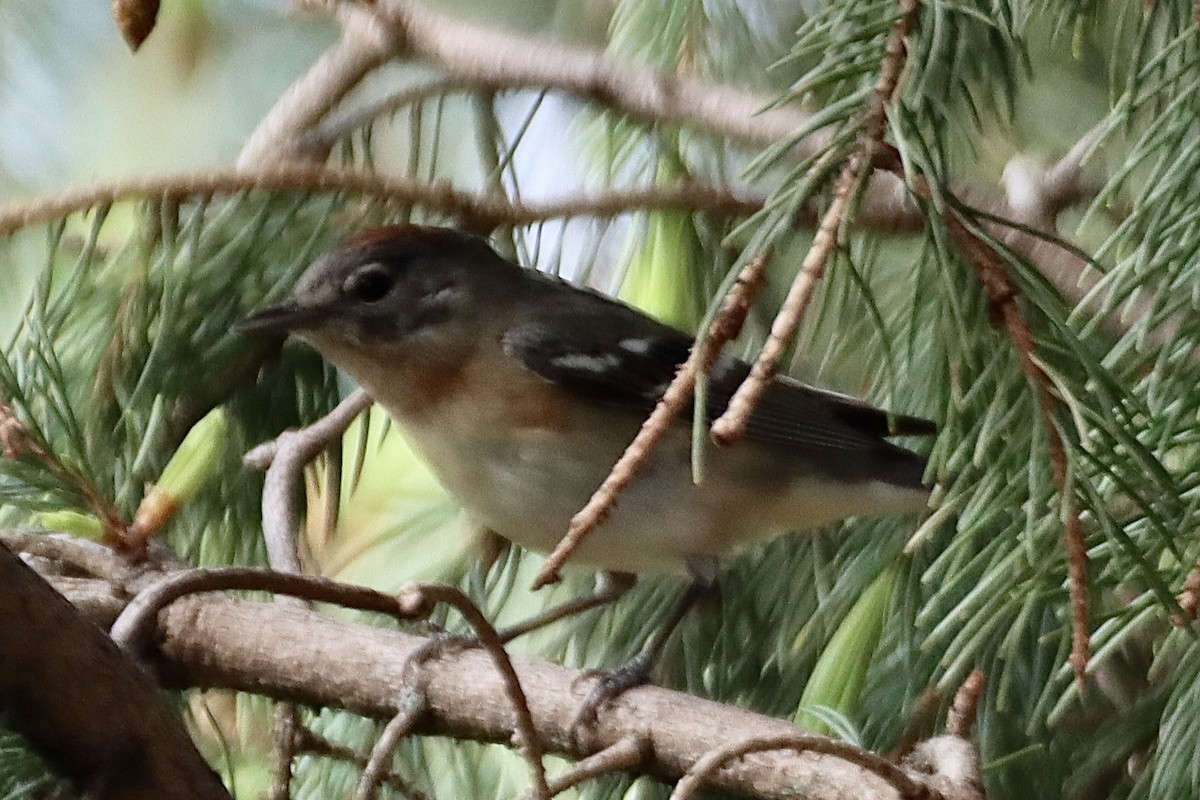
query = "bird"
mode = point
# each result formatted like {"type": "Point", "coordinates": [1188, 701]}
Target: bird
{"type": "Point", "coordinates": [521, 390]}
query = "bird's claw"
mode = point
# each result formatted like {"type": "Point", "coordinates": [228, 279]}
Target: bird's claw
{"type": "Point", "coordinates": [610, 684]}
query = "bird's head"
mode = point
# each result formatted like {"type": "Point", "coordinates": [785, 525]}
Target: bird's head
{"type": "Point", "coordinates": [400, 289]}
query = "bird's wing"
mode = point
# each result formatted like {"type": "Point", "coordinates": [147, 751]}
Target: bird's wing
{"type": "Point", "coordinates": [630, 360]}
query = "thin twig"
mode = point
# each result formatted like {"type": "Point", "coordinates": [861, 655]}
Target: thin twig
{"type": "Point", "coordinates": [419, 599]}
{"type": "Point", "coordinates": [412, 704]}
{"type": "Point", "coordinates": [966, 700]}
{"type": "Point", "coordinates": [310, 743]}
{"type": "Point", "coordinates": [137, 622]}
{"type": "Point", "coordinates": [17, 441]}
{"type": "Point", "coordinates": [364, 46]}
{"type": "Point", "coordinates": [701, 359]}
{"type": "Point", "coordinates": [284, 746]}
{"type": "Point", "coordinates": [731, 425]}
{"type": "Point", "coordinates": [318, 141]}
{"type": "Point", "coordinates": [623, 755]}
{"type": "Point", "coordinates": [285, 458]}
{"type": "Point", "coordinates": [1002, 293]}
{"type": "Point", "coordinates": [905, 786]}
{"type": "Point", "coordinates": [482, 212]}
{"type": "Point", "coordinates": [474, 52]}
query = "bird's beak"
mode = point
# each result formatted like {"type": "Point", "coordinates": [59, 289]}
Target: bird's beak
{"type": "Point", "coordinates": [282, 319]}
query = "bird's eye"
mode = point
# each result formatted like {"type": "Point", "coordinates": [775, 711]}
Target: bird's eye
{"type": "Point", "coordinates": [369, 284]}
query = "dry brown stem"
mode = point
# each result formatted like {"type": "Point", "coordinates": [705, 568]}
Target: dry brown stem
{"type": "Point", "coordinates": [283, 746]}
{"type": "Point", "coordinates": [732, 424]}
{"type": "Point", "coordinates": [468, 51]}
{"type": "Point", "coordinates": [481, 213]}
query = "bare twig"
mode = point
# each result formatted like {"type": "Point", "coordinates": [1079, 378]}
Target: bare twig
{"type": "Point", "coordinates": [134, 627]}
{"type": "Point", "coordinates": [962, 711]}
{"type": "Point", "coordinates": [622, 755]}
{"type": "Point", "coordinates": [469, 51]}
{"type": "Point", "coordinates": [482, 212]}
{"type": "Point", "coordinates": [311, 744]}
{"type": "Point", "coordinates": [318, 141]}
{"type": "Point", "coordinates": [418, 600]}
{"type": "Point", "coordinates": [287, 722]}
{"type": "Point", "coordinates": [1002, 293]}
{"type": "Point", "coordinates": [412, 704]}
{"type": "Point", "coordinates": [907, 787]}
{"type": "Point", "coordinates": [285, 458]}
{"type": "Point", "coordinates": [732, 423]}
{"type": "Point", "coordinates": [364, 46]}
{"type": "Point", "coordinates": [701, 359]}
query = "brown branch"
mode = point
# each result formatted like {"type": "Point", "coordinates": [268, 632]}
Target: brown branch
{"type": "Point", "coordinates": [483, 212]}
{"type": "Point", "coordinates": [732, 423]}
{"type": "Point", "coordinates": [287, 722]}
{"type": "Point", "coordinates": [702, 771]}
{"type": "Point", "coordinates": [471, 52]}
{"type": "Point", "coordinates": [419, 599]}
{"type": "Point", "coordinates": [623, 755]}
{"type": "Point", "coordinates": [363, 47]}
{"type": "Point", "coordinates": [412, 705]}
{"type": "Point", "coordinates": [310, 743]}
{"type": "Point", "coordinates": [211, 640]}
{"type": "Point", "coordinates": [704, 353]}
{"type": "Point", "coordinates": [285, 458]}
{"type": "Point", "coordinates": [92, 713]}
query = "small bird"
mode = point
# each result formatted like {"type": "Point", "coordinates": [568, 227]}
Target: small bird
{"type": "Point", "coordinates": [521, 391]}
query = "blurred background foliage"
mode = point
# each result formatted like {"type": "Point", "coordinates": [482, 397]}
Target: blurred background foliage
{"type": "Point", "coordinates": [117, 331]}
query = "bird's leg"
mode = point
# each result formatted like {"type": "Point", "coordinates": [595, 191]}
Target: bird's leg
{"type": "Point", "coordinates": [613, 683]}
{"type": "Point", "coordinates": [610, 587]}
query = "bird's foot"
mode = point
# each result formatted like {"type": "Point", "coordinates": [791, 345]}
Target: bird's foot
{"type": "Point", "coordinates": [611, 684]}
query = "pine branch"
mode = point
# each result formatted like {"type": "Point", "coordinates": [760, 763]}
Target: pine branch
{"type": "Point", "coordinates": [317, 660]}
